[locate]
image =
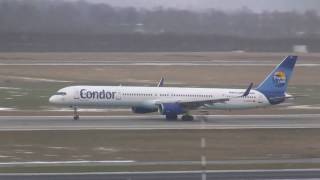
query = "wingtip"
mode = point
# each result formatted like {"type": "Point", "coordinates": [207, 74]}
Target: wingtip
{"type": "Point", "coordinates": [247, 92]}
{"type": "Point", "coordinates": [161, 82]}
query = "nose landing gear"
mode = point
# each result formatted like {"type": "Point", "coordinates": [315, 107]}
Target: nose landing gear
{"type": "Point", "coordinates": [75, 113]}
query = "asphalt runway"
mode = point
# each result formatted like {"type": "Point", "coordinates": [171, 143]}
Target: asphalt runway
{"type": "Point", "coordinates": [150, 122]}
{"type": "Point", "coordinates": [179, 175]}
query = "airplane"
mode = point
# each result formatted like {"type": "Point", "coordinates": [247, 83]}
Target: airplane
{"type": "Point", "coordinates": [174, 101]}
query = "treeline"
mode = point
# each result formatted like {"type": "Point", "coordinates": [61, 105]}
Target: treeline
{"type": "Point", "coordinates": [58, 17]}
{"type": "Point", "coordinates": [44, 42]}
{"type": "Point", "coordinates": [43, 25]}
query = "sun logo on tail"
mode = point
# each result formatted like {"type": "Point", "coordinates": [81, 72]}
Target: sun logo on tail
{"type": "Point", "coordinates": [279, 78]}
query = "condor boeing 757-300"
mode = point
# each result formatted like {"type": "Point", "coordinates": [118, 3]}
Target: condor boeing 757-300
{"type": "Point", "coordinates": [174, 101]}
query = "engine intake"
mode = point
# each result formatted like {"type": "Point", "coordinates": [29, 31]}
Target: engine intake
{"type": "Point", "coordinates": [143, 110]}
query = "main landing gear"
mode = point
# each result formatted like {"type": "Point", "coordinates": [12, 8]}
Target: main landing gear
{"type": "Point", "coordinates": [75, 113]}
{"type": "Point", "coordinates": [187, 117]}
{"type": "Point", "coordinates": [171, 117]}
{"type": "Point", "coordinates": [174, 117]}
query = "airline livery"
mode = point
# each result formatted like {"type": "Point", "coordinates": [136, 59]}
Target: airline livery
{"type": "Point", "coordinates": [174, 101]}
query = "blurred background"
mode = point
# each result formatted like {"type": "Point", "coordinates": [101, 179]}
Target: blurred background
{"type": "Point", "coordinates": [162, 25]}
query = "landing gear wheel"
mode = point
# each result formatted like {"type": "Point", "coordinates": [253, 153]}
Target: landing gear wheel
{"type": "Point", "coordinates": [76, 117]}
{"type": "Point", "coordinates": [187, 118]}
{"type": "Point", "coordinates": [171, 117]}
{"type": "Point", "coordinates": [75, 114]}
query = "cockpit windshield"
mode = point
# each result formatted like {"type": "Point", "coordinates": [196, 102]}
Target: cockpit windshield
{"type": "Point", "coordinates": [61, 93]}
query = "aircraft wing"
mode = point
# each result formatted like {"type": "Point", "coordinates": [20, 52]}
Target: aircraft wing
{"type": "Point", "coordinates": [188, 105]}
{"type": "Point", "coordinates": [198, 103]}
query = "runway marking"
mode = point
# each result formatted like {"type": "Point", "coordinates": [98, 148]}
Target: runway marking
{"type": "Point", "coordinates": [203, 157]}
{"type": "Point", "coordinates": [64, 162]}
{"type": "Point", "coordinates": [225, 116]}
{"type": "Point", "coordinates": [6, 108]}
{"type": "Point", "coordinates": [35, 79]}
{"type": "Point", "coordinates": [222, 127]}
{"type": "Point", "coordinates": [10, 88]}
{"type": "Point", "coordinates": [203, 161]}
{"type": "Point", "coordinates": [203, 143]}
{"type": "Point", "coordinates": [161, 172]}
{"type": "Point", "coordinates": [161, 117]}
{"type": "Point", "coordinates": [149, 64]}
{"type": "Point", "coordinates": [156, 122]}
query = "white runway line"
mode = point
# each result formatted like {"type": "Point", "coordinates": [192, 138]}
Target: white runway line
{"type": "Point", "coordinates": [161, 172]}
{"type": "Point", "coordinates": [203, 161]}
{"type": "Point", "coordinates": [204, 176]}
{"type": "Point", "coordinates": [222, 127]}
{"type": "Point", "coordinates": [156, 122]}
{"type": "Point", "coordinates": [148, 64]}
{"type": "Point", "coordinates": [203, 143]}
{"type": "Point", "coordinates": [64, 162]}
{"type": "Point", "coordinates": [35, 79]}
{"type": "Point", "coordinates": [161, 117]}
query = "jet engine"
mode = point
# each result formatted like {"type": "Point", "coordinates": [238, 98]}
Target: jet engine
{"type": "Point", "coordinates": [143, 109]}
{"type": "Point", "coordinates": [171, 108]}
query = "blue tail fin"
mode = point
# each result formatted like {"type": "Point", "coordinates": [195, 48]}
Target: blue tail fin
{"type": "Point", "coordinates": [275, 85]}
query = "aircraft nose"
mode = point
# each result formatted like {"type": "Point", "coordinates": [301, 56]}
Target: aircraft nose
{"type": "Point", "coordinates": [53, 99]}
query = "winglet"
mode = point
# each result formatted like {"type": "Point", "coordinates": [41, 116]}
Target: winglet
{"type": "Point", "coordinates": [161, 82]}
{"type": "Point", "coordinates": [248, 90]}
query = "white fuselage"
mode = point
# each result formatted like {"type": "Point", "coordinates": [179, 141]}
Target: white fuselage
{"type": "Point", "coordinates": [130, 96]}
{"type": "Point", "coordinates": [174, 101]}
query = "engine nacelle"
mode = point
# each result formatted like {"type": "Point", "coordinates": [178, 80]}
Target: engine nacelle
{"type": "Point", "coordinates": [143, 110]}
{"type": "Point", "coordinates": [171, 108]}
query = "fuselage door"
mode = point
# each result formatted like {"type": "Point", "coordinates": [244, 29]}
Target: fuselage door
{"type": "Point", "coordinates": [118, 96]}
{"type": "Point", "coordinates": [76, 95]}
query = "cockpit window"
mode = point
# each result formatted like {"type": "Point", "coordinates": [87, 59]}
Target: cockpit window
{"type": "Point", "coordinates": [61, 93]}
